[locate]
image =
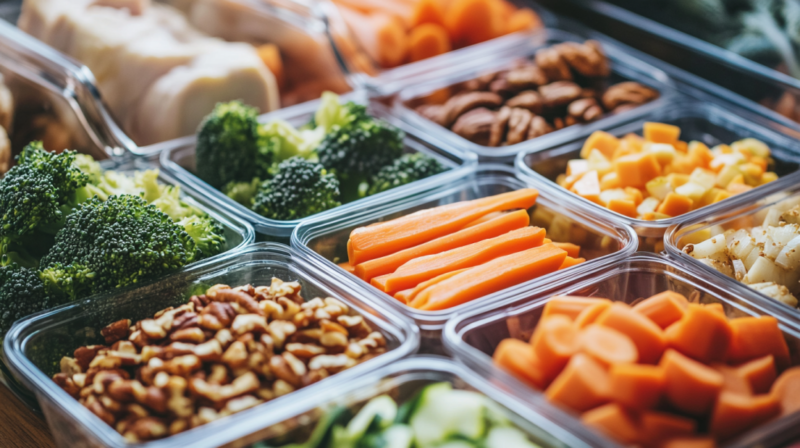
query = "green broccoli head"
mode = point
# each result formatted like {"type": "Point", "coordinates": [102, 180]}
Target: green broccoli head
{"type": "Point", "coordinates": [119, 242]}
{"type": "Point", "coordinates": [229, 145]}
{"type": "Point", "coordinates": [22, 293]}
{"type": "Point", "coordinates": [406, 169]}
{"type": "Point", "coordinates": [358, 149]}
{"type": "Point", "coordinates": [66, 283]}
{"type": "Point", "coordinates": [207, 233]}
{"type": "Point", "coordinates": [299, 189]}
{"type": "Point", "coordinates": [89, 166]}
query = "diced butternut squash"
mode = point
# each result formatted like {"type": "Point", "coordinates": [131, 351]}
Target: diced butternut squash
{"type": "Point", "coordinates": [661, 133]}
{"type": "Point", "coordinates": [624, 207]}
{"type": "Point", "coordinates": [602, 141]}
{"type": "Point", "coordinates": [635, 170]}
{"type": "Point", "coordinates": [588, 187]}
{"type": "Point", "coordinates": [675, 205]}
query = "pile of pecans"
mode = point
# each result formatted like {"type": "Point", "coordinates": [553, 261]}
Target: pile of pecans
{"type": "Point", "coordinates": [223, 352]}
{"type": "Point", "coordinates": [565, 84]}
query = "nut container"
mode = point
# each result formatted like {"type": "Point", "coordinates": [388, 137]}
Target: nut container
{"type": "Point", "coordinates": [324, 240]}
{"type": "Point", "coordinates": [707, 122]}
{"type": "Point", "coordinates": [741, 215]}
{"type": "Point", "coordinates": [29, 351]}
{"type": "Point", "coordinates": [238, 234]}
{"type": "Point", "coordinates": [178, 159]}
{"type": "Point", "coordinates": [623, 68]}
{"type": "Point", "coordinates": [401, 381]}
{"type": "Point", "coordinates": [472, 337]}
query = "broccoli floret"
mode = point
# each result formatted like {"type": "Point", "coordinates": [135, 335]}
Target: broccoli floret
{"type": "Point", "coordinates": [406, 169]}
{"type": "Point", "coordinates": [242, 192]}
{"type": "Point", "coordinates": [89, 166]}
{"type": "Point", "coordinates": [358, 149]}
{"type": "Point", "coordinates": [230, 146]}
{"type": "Point", "coordinates": [22, 293]}
{"type": "Point", "coordinates": [67, 283]}
{"type": "Point", "coordinates": [299, 189]}
{"type": "Point", "coordinates": [284, 141]}
{"type": "Point", "coordinates": [207, 233]}
{"type": "Point", "coordinates": [171, 203]}
{"type": "Point", "coordinates": [119, 242]}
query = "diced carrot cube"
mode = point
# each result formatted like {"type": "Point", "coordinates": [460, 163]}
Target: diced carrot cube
{"type": "Point", "coordinates": [517, 357]}
{"type": "Point", "coordinates": [787, 390]}
{"type": "Point", "coordinates": [759, 373]}
{"type": "Point", "coordinates": [656, 427]}
{"type": "Point", "coordinates": [661, 133]}
{"type": "Point", "coordinates": [691, 387]}
{"type": "Point", "coordinates": [755, 337]}
{"type": "Point", "coordinates": [554, 342]}
{"type": "Point", "coordinates": [701, 334]}
{"type": "Point", "coordinates": [664, 309]}
{"type": "Point", "coordinates": [716, 307]}
{"type": "Point", "coordinates": [614, 421]}
{"type": "Point", "coordinates": [645, 334]}
{"type": "Point", "coordinates": [590, 314]}
{"type": "Point", "coordinates": [732, 380]}
{"type": "Point", "coordinates": [737, 413]}
{"type": "Point", "coordinates": [582, 385]}
{"type": "Point", "coordinates": [606, 345]}
{"type": "Point", "coordinates": [689, 442]}
{"type": "Point", "coordinates": [570, 306]}
{"type": "Point", "coordinates": [637, 386]}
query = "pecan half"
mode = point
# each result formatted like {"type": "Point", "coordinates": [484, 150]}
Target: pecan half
{"type": "Point", "coordinates": [518, 125]}
{"type": "Point", "coordinates": [462, 103]}
{"type": "Point", "coordinates": [475, 125]}
{"type": "Point", "coordinates": [629, 92]}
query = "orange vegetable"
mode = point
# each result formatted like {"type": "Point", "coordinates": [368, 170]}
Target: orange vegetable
{"type": "Point", "coordinates": [523, 20]}
{"type": "Point", "coordinates": [491, 277]}
{"type": "Point", "coordinates": [759, 373]}
{"type": "Point", "coordinates": [270, 54]}
{"type": "Point", "coordinates": [582, 385]}
{"type": "Point", "coordinates": [646, 335]}
{"type": "Point", "coordinates": [656, 427]}
{"type": "Point", "coordinates": [426, 41]}
{"type": "Point", "coordinates": [635, 170]}
{"type": "Point", "coordinates": [380, 283]}
{"type": "Point", "coordinates": [786, 389]}
{"type": "Point", "coordinates": [347, 267]}
{"type": "Point", "coordinates": [664, 309]}
{"type": "Point", "coordinates": [471, 22]}
{"type": "Point", "coordinates": [716, 307]}
{"type": "Point", "coordinates": [613, 420]}
{"type": "Point", "coordinates": [689, 442]}
{"type": "Point", "coordinates": [485, 218]}
{"type": "Point", "coordinates": [700, 155]}
{"type": "Point", "coordinates": [427, 267]}
{"type": "Point", "coordinates": [570, 262]}
{"type": "Point", "coordinates": [409, 295]}
{"type": "Point", "coordinates": [489, 229]}
{"type": "Point", "coordinates": [367, 243]}
{"type": "Point", "coordinates": [573, 250]}
{"type": "Point", "coordinates": [517, 358]}
{"type": "Point", "coordinates": [737, 413]}
{"type": "Point", "coordinates": [702, 334]}
{"type": "Point", "coordinates": [691, 387]}
{"type": "Point", "coordinates": [589, 314]}
{"type": "Point", "coordinates": [570, 306]}
{"type": "Point", "coordinates": [428, 11]}
{"type": "Point", "coordinates": [607, 346]}
{"type": "Point", "coordinates": [397, 8]}
{"type": "Point", "coordinates": [635, 195]}
{"type": "Point", "coordinates": [383, 36]}
{"type": "Point", "coordinates": [661, 133]}
{"type": "Point", "coordinates": [624, 207]}
{"type": "Point", "coordinates": [732, 380]}
{"type": "Point", "coordinates": [755, 337]}
{"type": "Point", "coordinates": [554, 342]}
{"type": "Point", "coordinates": [588, 187]}
{"type": "Point", "coordinates": [636, 386]}
{"type": "Point", "coordinates": [601, 141]}
{"type": "Point", "coordinates": [675, 205]}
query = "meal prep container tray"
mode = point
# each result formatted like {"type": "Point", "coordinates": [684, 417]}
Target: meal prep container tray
{"type": "Point", "coordinates": [473, 336]}
{"type": "Point", "coordinates": [707, 122]}
{"type": "Point", "coordinates": [324, 240]}
{"type": "Point", "coordinates": [624, 68]}
{"type": "Point", "coordinates": [54, 98]}
{"type": "Point", "coordinates": [401, 381]}
{"type": "Point", "coordinates": [238, 234]}
{"type": "Point", "coordinates": [740, 215]}
{"type": "Point", "coordinates": [178, 159]}
{"type": "Point", "coordinates": [78, 324]}
{"type": "Point", "coordinates": [389, 81]}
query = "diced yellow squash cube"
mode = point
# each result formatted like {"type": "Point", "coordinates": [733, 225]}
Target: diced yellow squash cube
{"type": "Point", "coordinates": [725, 160]}
{"type": "Point", "coordinates": [768, 177]}
{"type": "Point", "coordinates": [561, 179]}
{"type": "Point", "coordinates": [696, 237]}
{"type": "Point", "coordinates": [654, 216]}
{"type": "Point", "coordinates": [727, 174]}
{"type": "Point", "coordinates": [692, 191]}
{"type": "Point", "coordinates": [721, 196]}
{"type": "Point", "coordinates": [738, 188]}
{"type": "Point", "coordinates": [659, 187]}
{"type": "Point", "coordinates": [599, 162]}
{"type": "Point", "coordinates": [751, 147]}
{"type": "Point", "coordinates": [677, 179]}
{"type": "Point", "coordinates": [721, 149]}
{"type": "Point", "coordinates": [710, 197]}
{"type": "Point", "coordinates": [610, 181]}
{"type": "Point", "coordinates": [738, 179]}
{"type": "Point", "coordinates": [648, 205]}
{"type": "Point", "coordinates": [752, 173]}
{"type": "Point", "coordinates": [705, 178]}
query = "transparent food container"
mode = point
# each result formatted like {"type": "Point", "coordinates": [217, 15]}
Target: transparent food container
{"type": "Point", "coordinates": [740, 216]}
{"type": "Point", "coordinates": [707, 122]}
{"type": "Point", "coordinates": [78, 324]}
{"type": "Point", "coordinates": [402, 381]}
{"type": "Point", "coordinates": [472, 337]}
{"type": "Point", "coordinates": [178, 159]}
{"type": "Point", "coordinates": [238, 234]}
{"type": "Point", "coordinates": [324, 240]}
{"type": "Point", "coordinates": [623, 68]}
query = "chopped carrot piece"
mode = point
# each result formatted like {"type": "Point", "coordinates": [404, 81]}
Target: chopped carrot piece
{"type": "Point", "coordinates": [691, 387]}
{"type": "Point", "coordinates": [427, 11]}
{"type": "Point", "coordinates": [426, 41]}
{"type": "Point", "coordinates": [754, 337]}
{"type": "Point", "coordinates": [427, 267]}
{"type": "Point", "coordinates": [573, 250]}
{"type": "Point", "coordinates": [367, 243]}
{"type": "Point", "coordinates": [689, 442]}
{"type": "Point", "coordinates": [759, 373]}
{"type": "Point", "coordinates": [491, 277]}
{"type": "Point", "coordinates": [582, 385]}
{"type": "Point", "coordinates": [613, 420]}
{"type": "Point", "coordinates": [646, 335]}
{"type": "Point", "coordinates": [702, 334]}
{"type": "Point", "coordinates": [732, 380]}
{"type": "Point", "coordinates": [570, 262]}
{"type": "Point", "coordinates": [523, 20]}
{"type": "Point", "coordinates": [589, 314]}
{"type": "Point", "coordinates": [635, 170]}
{"type": "Point", "coordinates": [661, 133]}
{"type": "Point", "coordinates": [380, 282]}
{"type": "Point", "coordinates": [347, 267]}
{"type": "Point", "coordinates": [554, 342]}
{"type": "Point", "coordinates": [383, 36]}
{"type": "Point", "coordinates": [601, 141]}
{"type": "Point", "coordinates": [664, 309]}
{"type": "Point", "coordinates": [492, 228]}
{"type": "Point", "coordinates": [471, 22]}
{"type": "Point", "coordinates": [737, 413]}
{"type": "Point", "coordinates": [570, 306]}
{"type": "Point", "coordinates": [716, 307]}
{"type": "Point", "coordinates": [518, 358]}
{"type": "Point", "coordinates": [607, 345]}
{"type": "Point", "coordinates": [637, 386]}
{"type": "Point", "coordinates": [656, 427]}
{"type": "Point", "coordinates": [403, 296]}
{"type": "Point", "coordinates": [675, 205]}
{"type": "Point", "coordinates": [787, 390]}
{"type": "Point", "coordinates": [624, 207]}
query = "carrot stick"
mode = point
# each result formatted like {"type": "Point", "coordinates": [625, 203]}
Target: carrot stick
{"type": "Point", "coordinates": [382, 35]}
{"type": "Point", "coordinates": [573, 250]}
{"type": "Point", "coordinates": [414, 292]}
{"type": "Point", "coordinates": [491, 277]}
{"type": "Point", "coordinates": [787, 390]}
{"type": "Point", "coordinates": [702, 334]}
{"type": "Point", "coordinates": [495, 227]}
{"type": "Point", "coordinates": [380, 282]}
{"type": "Point", "coordinates": [570, 262]}
{"type": "Point", "coordinates": [485, 218]}
{"type": "Point", "coordinates": [425, 268]}
{"type": "Point", "coordinates": [517, 358]}
{"type": "Point", "coordinates": [426, 41]}
{"type": "Point", "coordinates": [386, 238]}
{"type": "Point", "coordinates": [428, 11]}
{"type": "Point", "coordinates": [347, 267]}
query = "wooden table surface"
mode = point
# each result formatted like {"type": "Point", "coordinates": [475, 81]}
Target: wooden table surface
{"type": "Point", "coordinates": [20, 427]}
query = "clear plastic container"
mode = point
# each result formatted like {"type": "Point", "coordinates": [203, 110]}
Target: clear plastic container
{"type": "Point", "coordinates": [624, 68]}
{"type": "Point", "coordinates": [707, 122]}
{"type": "Point", "coordinates": [472, 337]}
{"type": "Point", "coordinates": [742, 215]}
{"type": "Point", "coordinates": [402, 381]}
{"type": "Point", "coordinates": [602, 241]}
{"type": "Point", "coordinates": [238, 234]}
{"type": "Point", "coordinates": [78, 324]}
{"type": "Point", "coordinates": [178, 158]}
